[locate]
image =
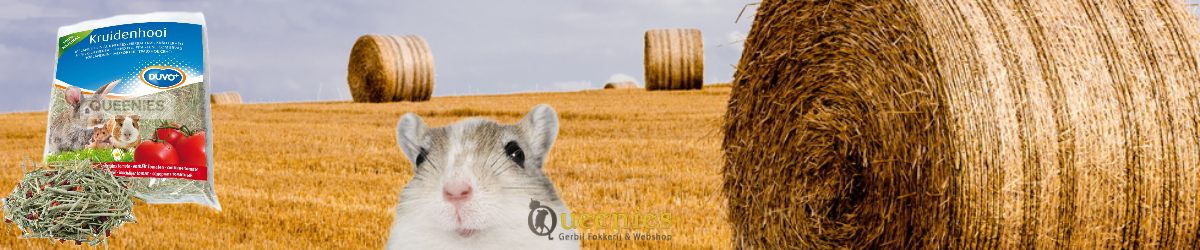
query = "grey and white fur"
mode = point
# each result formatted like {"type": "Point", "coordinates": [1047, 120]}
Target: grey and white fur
{"type": "Point", "coordinates": [473, 182]}
{"type": "Point", "coordinates": [72, 128]}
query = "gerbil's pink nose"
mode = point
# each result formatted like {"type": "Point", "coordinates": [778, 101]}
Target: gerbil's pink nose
{"type": "Point", "coordinates": [457, 191]}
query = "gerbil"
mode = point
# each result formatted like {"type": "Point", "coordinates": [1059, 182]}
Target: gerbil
{"type": "Point", "coordinates": [100, 139]}
{"type": "Point", "coordinates": [473, 183]}
{"type": "Point", "coordinates": [125, 131]}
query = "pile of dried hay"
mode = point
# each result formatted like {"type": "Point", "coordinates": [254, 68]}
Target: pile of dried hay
{"type": "Point", "coordinates": [226, 98]}
{"type": "Point", "coordinates": [390, 69]}
{"type": "Point", "coordinates": [620, 85]}
{"type": "Point", "coordinates": [674, 59]}
{"type": "Point", "coordinates": [966, 124]}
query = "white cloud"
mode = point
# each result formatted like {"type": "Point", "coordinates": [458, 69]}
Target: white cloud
{"type": "Point", "coordinates": [5, 51]}
{"type": "Point", "coordinates": [691, 7]}
{"type": "Point", "coordinates": [736, 36]}
{"type": "Point", "coordinates": [21, 11]}
{"type": "Point", "coordinates": [734, 40]}
{"type": "Point", "coordinates": [621, 77]}
{"type": "Point", "coordinates": [18, 11]}
{"type": "Point", "coordinates": [571, 85]}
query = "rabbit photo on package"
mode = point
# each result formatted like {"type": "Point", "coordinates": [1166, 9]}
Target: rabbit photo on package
{"type": "Point", "coordinates": [130, 92]}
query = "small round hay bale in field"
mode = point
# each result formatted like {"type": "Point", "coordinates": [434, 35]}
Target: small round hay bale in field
{"type": "Point", "coordinates": [917, 124]}
{"type": "Point", "coordinates": [390, 69]}
{"type": "Point", "coordinates": [674, 59]}
{"type": "Point", "coordinates": [620, 85]}
{"type": "Point", "coordinates": [226, 98]}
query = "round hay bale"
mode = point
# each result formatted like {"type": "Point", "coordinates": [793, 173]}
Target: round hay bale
{"type": "Point", "coordinates": [390, 69]}
{"type": "Point", "coordinates": [968, 124]}
{"type": "Point", "coordinates": [674, 59]}
{"type": "Point", "coordinates": [620, 85]}
{"type": "Point", "coordinates": [226, 98]}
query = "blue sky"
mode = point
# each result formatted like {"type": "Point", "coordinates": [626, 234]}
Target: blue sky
{"type": "Point", "coordinates": [284, 51]}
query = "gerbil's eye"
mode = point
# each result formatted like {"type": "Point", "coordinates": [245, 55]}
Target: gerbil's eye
{"type": "Point", "coordinates": [421, 157]}
{"type": "Point", "coordinates": [87, 110]}
{"type": "Point", "coordinates": [514, 152]}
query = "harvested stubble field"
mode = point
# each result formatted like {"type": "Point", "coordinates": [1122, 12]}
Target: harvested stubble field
{"type": "Point", "coordinates": [327, 175]}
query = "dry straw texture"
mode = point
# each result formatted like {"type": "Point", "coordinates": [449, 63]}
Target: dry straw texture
{"type": "Point", "coordinates": [966, 124]}
{"type": "Point", "coordinates": [620, 85]}
{"type": "Point", "coordinates": [674, 59]}
{"type": "Point", "coordinates": [390, 69]}
{"type": "Point", "coordinates": [328, 175]}
{"type": "Point", "coordinates": [226, 98]}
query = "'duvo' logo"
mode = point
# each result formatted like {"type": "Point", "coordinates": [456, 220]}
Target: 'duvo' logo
{"type": "Point", "coordinates": [537, 223]}
{"type": "Point", "coordinates": [162, 77]}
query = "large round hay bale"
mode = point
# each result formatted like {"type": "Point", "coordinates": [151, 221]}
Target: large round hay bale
{"type": "Point", "coordinates": [674, 59]}
{"type": "Point", "coordinates": [390, 69]}
{"type": "Point", "coordinates": [226, 98]}
{"type": "Point", "coordinates": [620, 85]}
{"type": "Point", "coordinates": [968, 124]}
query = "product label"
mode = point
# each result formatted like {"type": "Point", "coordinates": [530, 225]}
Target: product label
{"type": "Point", "coordinates": [135, 169]}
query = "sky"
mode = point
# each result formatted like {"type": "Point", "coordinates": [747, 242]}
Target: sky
{"type": "Point", "coordinates": [298, 50]}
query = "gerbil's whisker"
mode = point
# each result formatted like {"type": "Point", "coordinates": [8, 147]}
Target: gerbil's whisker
{"type": "Point", "coordinates": [420, 175]}
{"type": "Point", "coordinates": [412, 144]}
{"type": "Point", "coordinates": [423, 173]}
{"type": "Point", "coordinates": [432, 162]}
{"type": "Point", "coordinates": [496, 171]}
{"type": "Point", "coordinates": [503, 170]}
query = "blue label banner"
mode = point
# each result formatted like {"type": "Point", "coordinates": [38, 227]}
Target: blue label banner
{"type": "Point", "coordinates": [158, 55]}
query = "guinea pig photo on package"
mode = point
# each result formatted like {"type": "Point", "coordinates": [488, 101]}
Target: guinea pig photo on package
{"type": "Point", "coordinates": [130, 92]}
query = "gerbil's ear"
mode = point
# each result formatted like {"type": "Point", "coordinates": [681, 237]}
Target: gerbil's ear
{"type": "Point", "coordinates": [409, 133]}
{"type": "Point", "coordinates": [135, 119]}
{"type": "Point", "coordinates": [71, 95]}
{"type": "Point", "coordinates": [103, 91]}
{"type": "Point", "coordinates": [541, 127]}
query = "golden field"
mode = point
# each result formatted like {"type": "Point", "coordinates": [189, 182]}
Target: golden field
{"type": "Point", "coordinates": [328, 175]}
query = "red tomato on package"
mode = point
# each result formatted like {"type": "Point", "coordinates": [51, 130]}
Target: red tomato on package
{"type": "Point", "coordinates": [170, 135]}
{"type": "Point", "coordinates": [156, 152]}
{"type": "Point", "coordinates": [191, 150]}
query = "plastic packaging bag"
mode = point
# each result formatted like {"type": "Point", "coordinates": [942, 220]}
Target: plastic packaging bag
{"type": "Point", "coordinates": [131, 92]}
